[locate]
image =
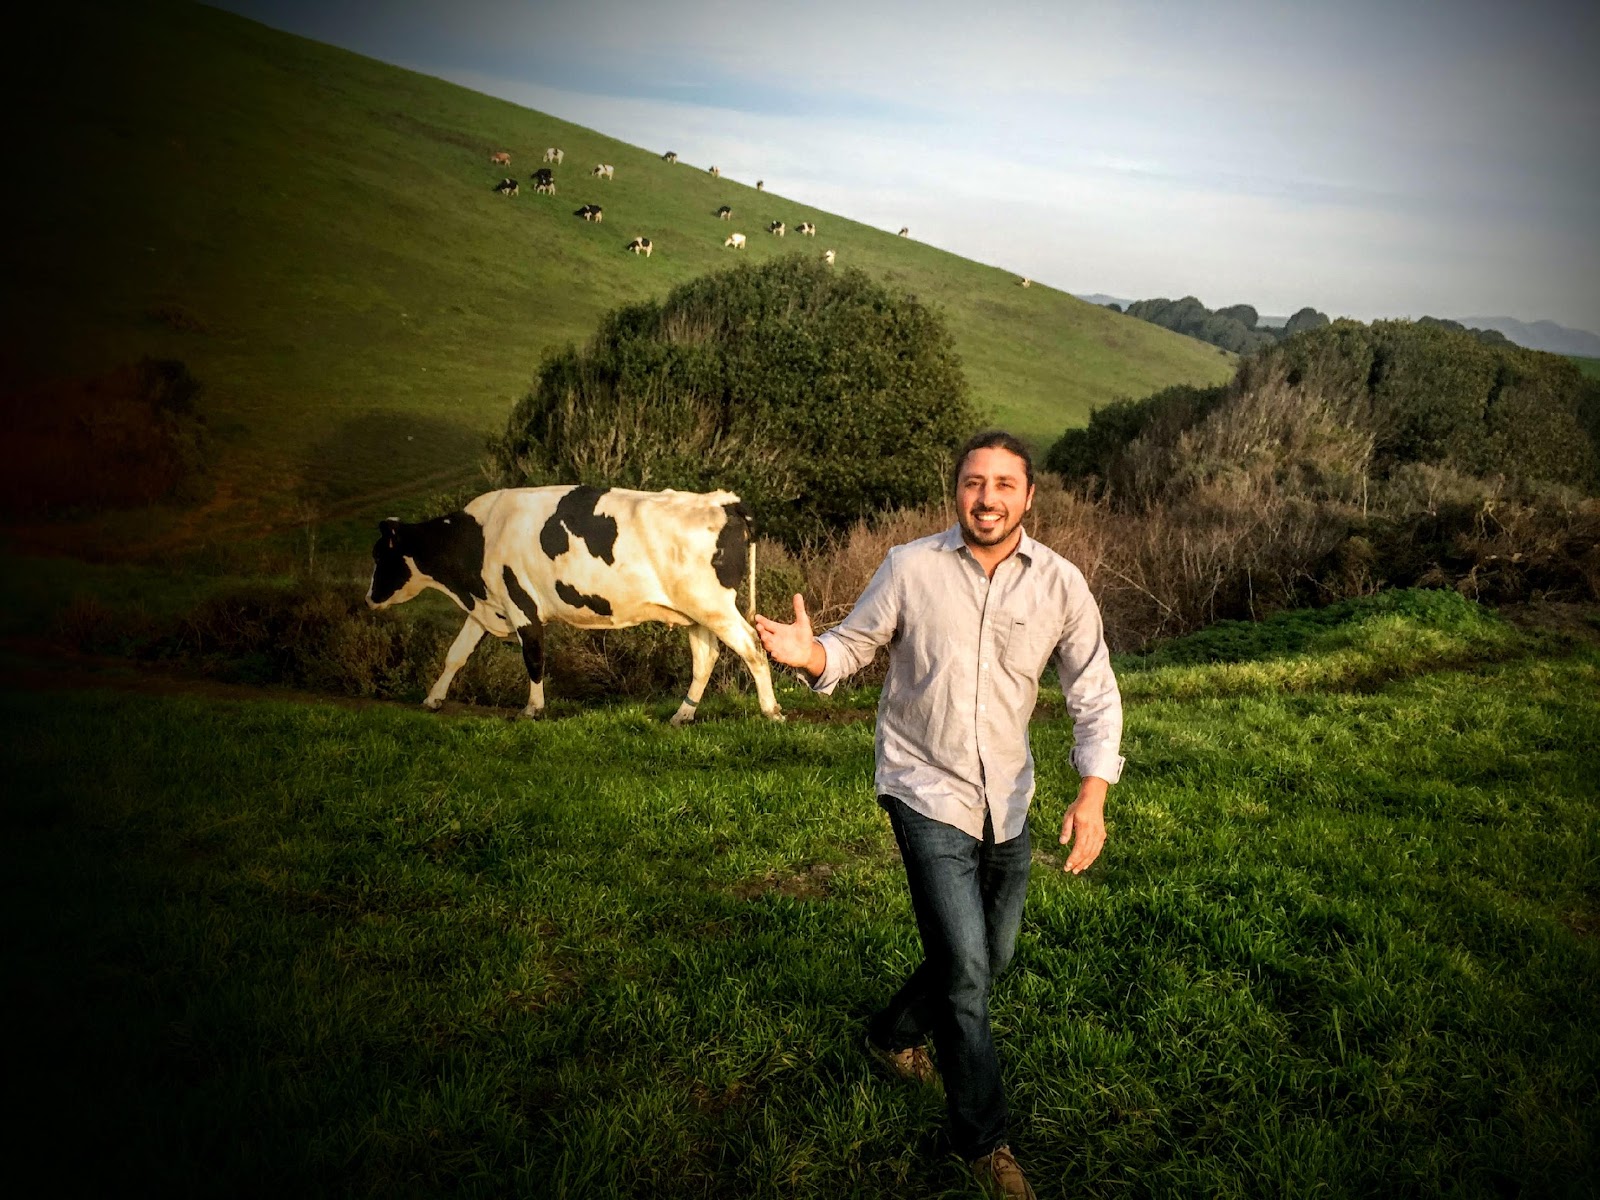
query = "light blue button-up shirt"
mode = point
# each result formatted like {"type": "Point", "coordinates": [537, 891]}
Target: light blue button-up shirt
{"type": "Point", "coordinates": [965, 656]}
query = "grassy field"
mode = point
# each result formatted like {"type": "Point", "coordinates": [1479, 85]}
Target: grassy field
{"type": "Point", "coordinates": [315, 235]}
{"type": "Point", "coordinates": [1342, 940]}
{"type": "Point", "coordinates": [1589, 366]}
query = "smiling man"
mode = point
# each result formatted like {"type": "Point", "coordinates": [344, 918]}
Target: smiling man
{"type": "Point", "coordinates": [971, 617]}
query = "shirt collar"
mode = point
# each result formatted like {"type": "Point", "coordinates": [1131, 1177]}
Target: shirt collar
{"type": "Point", "coordinates": [951, 539]}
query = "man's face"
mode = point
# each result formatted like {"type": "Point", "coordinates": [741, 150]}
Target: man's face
{"type": "Point", "coordinates": [992, 494]}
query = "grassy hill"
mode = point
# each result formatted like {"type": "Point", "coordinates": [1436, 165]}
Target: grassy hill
{"type": "Point", "coordinates": [315, 234]}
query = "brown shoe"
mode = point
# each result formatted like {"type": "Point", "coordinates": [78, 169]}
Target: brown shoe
{"type": "Point", "coordinates": [1000, 1176]}
{"type": "Point", "coordinates": [913, 1065]}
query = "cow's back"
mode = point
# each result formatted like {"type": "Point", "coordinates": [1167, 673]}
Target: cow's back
{"type": "Point", "coordinates": [612, 557]}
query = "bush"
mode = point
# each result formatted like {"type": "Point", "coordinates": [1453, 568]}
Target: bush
{"type": "Point", "coordinates": [1419, 394]}
{"type": "Point", "coordinates": [817, 394]}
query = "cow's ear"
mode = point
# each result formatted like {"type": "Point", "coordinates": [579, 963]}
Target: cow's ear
{"type": "Point", "coordinates": [389, 527]}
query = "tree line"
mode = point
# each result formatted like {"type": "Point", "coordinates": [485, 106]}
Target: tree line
{"type": "Point", "coordinates": [1237, 327]}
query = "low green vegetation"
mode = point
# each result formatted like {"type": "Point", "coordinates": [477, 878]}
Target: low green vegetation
{"type": "Point", "coordinates": [315, 235]}
{"type": "Point", "coordinates": [1342, 938]}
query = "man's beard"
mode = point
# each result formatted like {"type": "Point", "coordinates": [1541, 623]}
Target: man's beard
{"type": "Point", "coordinates": [978, 536]}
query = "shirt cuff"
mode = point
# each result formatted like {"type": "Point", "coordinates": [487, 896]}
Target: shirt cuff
{"type": "Point", "coordinates": [832, 670]}
{"type": "Point", "coordinates": [1099, 761]}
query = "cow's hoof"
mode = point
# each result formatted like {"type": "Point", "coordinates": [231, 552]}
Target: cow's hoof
{"type": "Point", "coordinates": [775, 715]}
{"type": "Point", "coordinates": [433, 705]}
{"type": "Point", "coordinates": [532, 714]}
{"type": "Point", "coordinates": [682, 718]}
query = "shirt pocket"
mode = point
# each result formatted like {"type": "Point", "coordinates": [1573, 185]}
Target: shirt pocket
{"type": "Point", "coordinates": [1027, 648]}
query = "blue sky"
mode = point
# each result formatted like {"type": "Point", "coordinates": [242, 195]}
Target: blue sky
{"type": "Point", "coordinates": [1368, 159]}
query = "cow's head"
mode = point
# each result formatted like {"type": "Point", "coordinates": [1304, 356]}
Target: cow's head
{"type": "Point", "coordinates": [395, 577]}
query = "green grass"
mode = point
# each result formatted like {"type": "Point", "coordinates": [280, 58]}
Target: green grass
{"type": "Point", "coordinates": [1341, 941]}
{"type": "Point", "coordinates": [314, 234]}
{"type": "Point", "coordinates": [1589, 366]}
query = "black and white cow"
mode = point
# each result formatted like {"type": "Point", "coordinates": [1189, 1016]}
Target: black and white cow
{"type": "Point", "coordinates": [506, 187]}
{"type": "Point", "coordinates": [544, 175]}
{"type": "Point", "coordinates": [641, 245]}
{"type": "Point", "coordinates": [597, 558]}
{"type": "Point", "coordinates": [590, 212]}
{"type": "Point", "coordinates": [725, 213]}
{"type": "Point", "coordinates": [806, 229]}
{"type": "Point", "coordinates": [671, 156]}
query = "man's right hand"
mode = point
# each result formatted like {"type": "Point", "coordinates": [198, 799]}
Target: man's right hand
{"type": "Point", "coordinates": [793, 645]}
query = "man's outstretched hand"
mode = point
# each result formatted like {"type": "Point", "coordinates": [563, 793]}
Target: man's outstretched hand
{"type": "Point", "coordinates": [793, 645]}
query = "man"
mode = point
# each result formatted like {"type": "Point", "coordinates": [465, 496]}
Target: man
{"type": "Point", "coordinates": [971, 617]}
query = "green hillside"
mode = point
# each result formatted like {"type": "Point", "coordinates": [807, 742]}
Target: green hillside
{"type": "Point", "coordinates": [315, 234]}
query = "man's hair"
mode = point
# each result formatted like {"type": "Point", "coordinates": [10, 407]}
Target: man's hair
{"type": "Point", "coordinates": [990, 439]}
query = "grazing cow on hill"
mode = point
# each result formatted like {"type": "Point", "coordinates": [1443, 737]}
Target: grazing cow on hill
{"type": "Point", "coordinates": [776, 227]}
{"type": "Point", "coordinates": [603, 170]}
{"type": "Point", "coordinates": [761, 185]}
{"type": "Point", "coordinates": [905, 231]}
{"type": "Point", "coordinates": [595, 558]}
{"type": "Point", "coordinates": [640, 245]}
{"type": "Point", "coordinates": [589, 212]}
{"type": "Point", "coordinates": [500, 159]}
{"type": "Point", "coordinates": [736, 240]}
{"type": "Point", "coordinates": [670, 156]}
{"type": "Point", "coordinates": [827, 257]}
{"type": "Point", "coordinates": [715, 172]}
{"type": "Point", "coordinates": [555, 155]}
{"type": "Point", "coordinates": [548, 187]}
{"type": "Point", "coordinates": [806, 229]}
{"type": "Point", "coordinates": [506, 187]}
{"type": "Point", "coordinates": [725, 213]}
{"type": "Point", "coordinates": [544, 175]}
{"type": "Point", "coordinates": [1025, 282]}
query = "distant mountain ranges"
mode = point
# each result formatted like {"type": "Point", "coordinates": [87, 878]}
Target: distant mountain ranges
{"type": "Point", "coordinates": [1536, 335]}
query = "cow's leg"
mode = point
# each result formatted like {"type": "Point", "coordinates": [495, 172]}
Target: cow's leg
{"type": "Point", "coordinates": [531, 638]}
{"type": "Point", "coordinates": [737, 634]}
{"type": "Point", "coordinates": [703, 651]}
{"type": "Point", "coordinates": [455, 658]}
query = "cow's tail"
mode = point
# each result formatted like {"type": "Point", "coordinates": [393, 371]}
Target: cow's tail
{"type": "Point", "coordinates": [738, 509]}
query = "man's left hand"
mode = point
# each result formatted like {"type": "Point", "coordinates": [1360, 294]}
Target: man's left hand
{"type": "Point", "coordinates": [1084, 826]}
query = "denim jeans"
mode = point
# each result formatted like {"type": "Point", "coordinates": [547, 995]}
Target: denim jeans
{"type": "Point", "coordinates": [968, 896]}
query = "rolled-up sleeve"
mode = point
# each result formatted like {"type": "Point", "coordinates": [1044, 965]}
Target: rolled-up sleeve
{"type": "Point", "coordinates": [851, 644]}
{"type": "Point", "coordinates": [1090, 688]}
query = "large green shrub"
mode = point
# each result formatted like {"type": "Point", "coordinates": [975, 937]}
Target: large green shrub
{"type": "Point", "coordinates": [1433, 394]}
{"type": "Point", "coordinates": [817, 394]}
{"type": "Point", "coordinates": [1420, 393]}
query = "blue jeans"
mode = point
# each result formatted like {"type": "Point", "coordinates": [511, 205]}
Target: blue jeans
{"type": "Point", "coordinates": [967, 895]}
